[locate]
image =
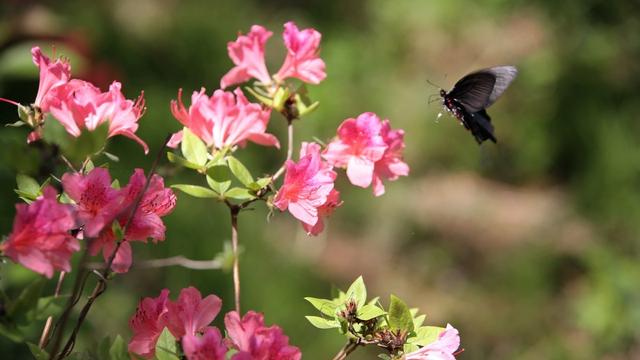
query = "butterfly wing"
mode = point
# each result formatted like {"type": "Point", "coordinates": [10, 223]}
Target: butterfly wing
{"type": "Point", "coordinates": [482, 88]}
{"type": "Point", "coordinates": [504, 77]}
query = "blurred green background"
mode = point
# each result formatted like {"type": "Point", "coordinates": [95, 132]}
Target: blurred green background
{"type": "Point", "coordinates": [529, 247]}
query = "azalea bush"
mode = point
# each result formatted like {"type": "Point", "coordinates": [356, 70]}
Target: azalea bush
{"type": "Point", "coordinates": [80, 208]}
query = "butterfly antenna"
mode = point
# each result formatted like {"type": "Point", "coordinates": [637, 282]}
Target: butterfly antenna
{"type": "Point", "coordinates": [434, 85]}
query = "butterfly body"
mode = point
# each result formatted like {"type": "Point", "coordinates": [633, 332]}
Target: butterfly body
{"type": "Point", "coordinates": [472, 94]}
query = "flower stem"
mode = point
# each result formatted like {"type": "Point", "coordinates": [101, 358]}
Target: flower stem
{"type": "Point", "coordinates": [347, 349]}
{"type": "Point", "coordinates": [289, 150]}
{"type": "Point", "coordinates": [44, 338]}
{"type": "Point", "coordinates": [236, 261]}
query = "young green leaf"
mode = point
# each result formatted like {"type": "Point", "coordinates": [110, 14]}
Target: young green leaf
{"type": "Point", "coordinates": [418, 321]}
{"type": "Point", "coordinates": [176, 159]}
{"type": "Point", "coordinates": [358, 291]}
{"type": "Point", "coordinates": [27, 300]}
{"type": "Point", "coordinates": [118, 350]}
{"type": "Point", "coordinates": [241, 194]}
{"type": "Point", "coordinates": [425, 335]}
{"type": "Point", "coordinates": [27, 185]}
{"type": "Point", "coordinates": [193, 149]}
{"type": "Point", "coordinates": [322, 323]}
{"type": "Point", "coordinates": [166, 348]}
{"type": "Point", "coordinates": [399, 315]}
{"type": "Point", "coordinates": [240, 171]}
{"type": "Point", "coordinates": [369, 312]}
{"type": "Point", "coordinates": [195, 190]}
{"type": "Point", "coordinates": [218, 186]}
{"type": "Point", "coordinates": [325, 306]}
{"type": "Point", "coordinates": [38, 354]}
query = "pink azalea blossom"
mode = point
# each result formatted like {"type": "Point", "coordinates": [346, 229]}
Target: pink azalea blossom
{"type": "Point", "coordinates": [254, 341]}
{"type": "Point", "coordinates": [79, 105]}
{"type": "Point", "coordinates": [358, 147]}
{"type": "Point", "coordinates": [307, 185]}
{"type": "Point", "coordinates": [247, 53]}
{"type": "Point", "coordinates": [209, 346]}
{"type": "Point", "coordinates": [40, 239]}
{"type": "Point", "coordinates": [97, 202]}
{"type": "Point", "coordinates": [223, 120]}
{"type": "Point", "coordinates": [442, 349]}
{"type": "Point", "coordinates": [333, 201]}
{"type": "Point", "coordinates": [303, 60]}
{"type": "Point", "coordinates": [52, 75]}
{"type": "Point", "coordinates": [147, 325]}
{"type": "Point", "coordinates": [391, 166]}
{"type": "Point", "coordinates": [146, 223]}
{"type": "Point", "coordinates": [191, 313]}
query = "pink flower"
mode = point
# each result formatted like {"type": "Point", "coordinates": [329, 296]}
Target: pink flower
{"type": "Point", "coordinates": [247, 53]}
{"type": "Point", "coordinates": [358, 146]}
{"type": "Point", "coordinates": [147, 325]}
{"type": "Point", "coordinates": [79, 105]}
{"type": "Point", "coordinates": [254, 341]}
{"type": "Point", "coordinates": [442, 349]}
{"type": "Point", "coordinates": [391, 166]}
{"type": "Point", "coordinates": [302, 61]}
{"type": "Point", "coordinates": [40, 239]}
{"type": "Point", "coordinates": [333, 201]}
{"type": "Point", "coordinates": [146, 223]}
{"type": "Point", "coordinates": [307, 185]}
{"type": "Point", "coordinates": [223, 120]}
{"type": "Point", "coordinates": [52, 75]}
{"type": "Point", "coordinates": [191, 313]}
{"type": "Point", "coordinates": [97, 202]}
{"type": "Point", "coordinates": [209, 346]}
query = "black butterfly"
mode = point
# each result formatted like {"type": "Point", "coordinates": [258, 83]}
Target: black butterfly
{"type": "Point", "coordinates": [475, 92]}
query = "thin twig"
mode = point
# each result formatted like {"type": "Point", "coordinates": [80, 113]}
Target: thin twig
{"type": "Point", "coordinates": [44, 337]}
{"type": "Point", "coordinates": [101, 285]}
{"type": "Point", "coordinates": [347, 349]}
{"type": "Point", "coordinates": [170, 261]}
{"type": "Point", "coordinates": [236, 261]}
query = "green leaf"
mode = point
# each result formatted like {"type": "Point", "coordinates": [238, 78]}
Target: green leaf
{"type": "Point", "coordinates": [118, 350]}
{"type": "Point", "coordinates": [409, 348]}
{"type": "Point", "coordinates": [102, 352]}
{"type": "Point", "coordinates": [75, 149]}
{"type": "Point", "coordinates": [263, 99]}
{"type": "Point", "coordinates": [327, 307]}
{"type": "Point", "coordinates": [47, 306]}
{"type": "Point", "coordinates": [89, 166]}
{"type": "Point", "coordinates": [9, 330]}
{"type": "Point", "coordinates": [218, 158]}
{"type": "Point", "coordinates": [38, 354]}
{"type": "Point", "coordinates": [27, 185]}
{"type": "Point", "coordinates": [425, 335]}
{"type": "Point", "coordinates": [218, 186]}
{"type": "Point", "coordinates": [358, 291]}
{"type": "Point", "coordinates": [27, 300]}
{"type": "Point", "coordinates": [384, 356]}
{"type": "Point", "coordinates": [166, 348]}
{"type": "Point", "coordinates": [239, 194]}
{"type": "Point", "coordinates": [195, 190]}
{"type": "Point", "coordinates": [193, 149]}
{"type": "Point", "coordinates": [219, 173]}
{"type": "Point", "coordinates": [418, 321]}
{"type": "Point", "coordinates": [239, 171]}
{"type": "Point", "coordinates": [369, 312]}
{"type": "Point", "coordinates": [176, 159]}
{"type": "Point", "coordinates": [259, 184]}
{"type": "Point", "coordinates": [399, 315]}
{"type": "Point", "coordinates": [322, 323]}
